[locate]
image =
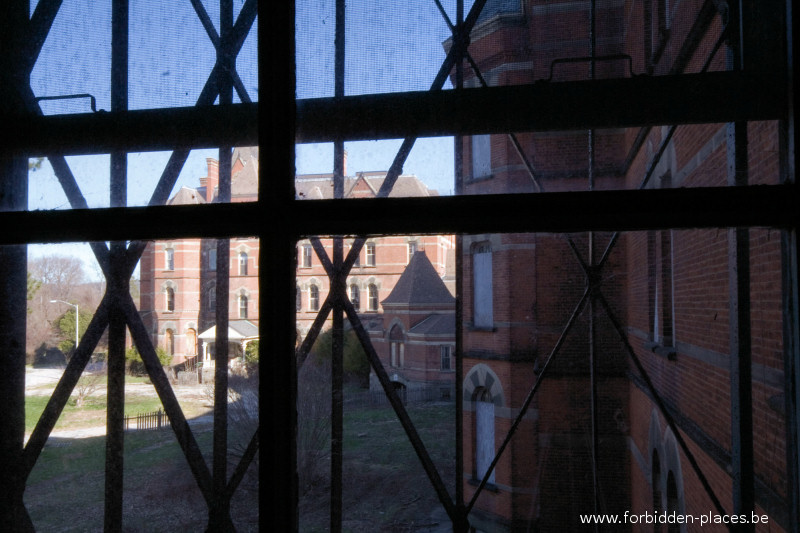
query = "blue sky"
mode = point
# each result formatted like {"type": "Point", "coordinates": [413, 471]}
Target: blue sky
{"type": "Point", "coordinates": [396, 48]}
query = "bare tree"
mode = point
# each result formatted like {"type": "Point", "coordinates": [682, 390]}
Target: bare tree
{"type": "Point", "coordinates": [62, 273]}
{"type": "Point", "coordinates": [60, 277]}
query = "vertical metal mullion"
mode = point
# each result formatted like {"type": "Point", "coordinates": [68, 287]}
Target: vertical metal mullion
{"type": "Point", "coordinates": [338, 292]}
{"type": "Point", "coordinates": [117, 285]}
{"type": "Point", "coordinates": [219, 514]}
{"type": "Point", "coordinates": [790, 292]}
{"type": "Point", "coordinates": [277, 273]}
{"type": "Point", "coordinates": [592, 281]}
{"type": "Point", "coordinates": [13, 264]}
{"type": "Point", "coordinates": [458, 154]}
{"type": "Point", "coordinates": [739, 303]}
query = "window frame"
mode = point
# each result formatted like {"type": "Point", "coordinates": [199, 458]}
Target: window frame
{"type": "Point", "coordinates": [614, 210]}
{"type": "Point", "coordinates": [169, 259]}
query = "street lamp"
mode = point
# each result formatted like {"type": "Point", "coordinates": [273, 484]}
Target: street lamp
{"type": "Point", "coordinates": [76, 318]}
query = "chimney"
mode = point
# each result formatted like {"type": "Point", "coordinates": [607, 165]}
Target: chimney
{"type": "Point", "coordinates": [212, 181]}
{"type": "Point", "coordinates": [344, 165]}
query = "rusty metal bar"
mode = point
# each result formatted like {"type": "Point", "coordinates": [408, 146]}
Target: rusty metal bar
{"type": "Point", "coordinates": [301, 354]}
{"type": "Point", "coordinates": [791, 349]}
{"type": "Point", "coordinates": [177, 420]}
{"type": "Point", "coordinates": [13, 264]}
{"type": "Point", "coordinates": [219, 511]}
{"type": "Point", "coordinates": [458, 175]}
{"type": "Point", "coordinates": [75, 366]}
{"type": "Point", "coordinates": [402, 414]}
{"type": "Point", "coordinates": [741, 368]}
{"type": "Point", "coordinates": [38, 29]}
{"type": "Point", "coordinates": [337, 289]}
{"type": "Point", "coordinates": [244, 463]}
{"type": "Point", "coordinates": [529, 398]}
{"type": "Point", "coordinates": [660, 404]}
{"type": "Point", "coordinates": [117, 284]}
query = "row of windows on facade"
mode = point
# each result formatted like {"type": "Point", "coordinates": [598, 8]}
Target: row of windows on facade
{"type": "Point", "coordinates": [211, 301]}
{"type": "Point", "coordinates": [353, 292]}
{"type": "Point", "coordinates": [169, 260]}
{"type": "Point", "coordinates": [369, 250]}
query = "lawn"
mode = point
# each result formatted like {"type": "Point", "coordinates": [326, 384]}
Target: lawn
{"type": "Point", "coordinates": [66, 487]}
{"type": "Point", "coordinates": [93, 411]}
{"type": "Point", "coordinates": [385, 486]}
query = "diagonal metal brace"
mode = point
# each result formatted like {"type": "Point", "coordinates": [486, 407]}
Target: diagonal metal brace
{"type": "Point", "coordinates": [660, 404]}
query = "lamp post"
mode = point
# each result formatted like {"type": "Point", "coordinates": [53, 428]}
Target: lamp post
{"type": "Point", "coordinates": [76, 318]}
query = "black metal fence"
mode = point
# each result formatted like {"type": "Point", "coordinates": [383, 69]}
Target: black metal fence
{"type": "Point", "coordinates": [155, 420]}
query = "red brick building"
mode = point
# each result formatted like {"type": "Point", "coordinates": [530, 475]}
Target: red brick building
{"type": "Point", "coordinates": [178, 277]}
{"type": "Point", "coordinates": [382, 260]}
{"type": "Point", "coordinates": [415, 335]}
{"type": "Point", "coordinates": [672, 293]}
{"type": "Point", "coordinates": [178, 287]}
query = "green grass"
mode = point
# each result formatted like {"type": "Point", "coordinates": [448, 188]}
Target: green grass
{"type": "Point", "coordinates": [91, 414]}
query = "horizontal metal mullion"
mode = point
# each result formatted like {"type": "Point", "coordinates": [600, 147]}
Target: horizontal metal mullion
{"type": "Point", "coordinates": [138, 130]}
{"type": "Point", "coordinates": [770, 206]}
{"type": "Point", "coordinates": [544, 106]}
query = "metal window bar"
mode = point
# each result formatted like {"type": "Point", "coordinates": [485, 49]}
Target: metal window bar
{"type": "Point", "coordinates": [122, 218]}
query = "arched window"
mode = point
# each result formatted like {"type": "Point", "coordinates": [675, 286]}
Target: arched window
{"type": "Point", "coordinates": [211, 297]}
{"type": "Point", "coordinates": [484, 433]}
{"type": "Point", "coordinates": [655, 475]}
{"type": "Point", "coordinates": [242, 264]}
{"type": "Point", "coordinates": [672, 502]}
{"type": "Point", "coordinates": [372, 297]}
{"type": "Point", "coordinates": [170, 293]}
{"type": "Point", "coordinates": [355, 296]}
{"type": "Point", "coordinates": [242, 306]}
{"type": "Point", "coordinates": [169, 259]}
{"type": "Point", "coordinates": [397, 347]}
{"type": "Point", "coordinates": [169, 341]}
{"type": "Point", "coordinates": [191, 342]}
{"type": "Point", "coordinates": [313, 298]}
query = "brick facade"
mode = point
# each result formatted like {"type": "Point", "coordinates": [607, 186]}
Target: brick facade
{"type": "Point", "coordinates": [670, 290]}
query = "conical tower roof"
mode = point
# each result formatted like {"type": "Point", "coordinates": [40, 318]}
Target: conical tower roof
{"type": "Point", "coordinates": [419, 285]}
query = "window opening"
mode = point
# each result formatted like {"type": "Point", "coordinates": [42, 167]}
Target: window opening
{"type": "Point", "coordinates": [242, 264]}
{"type": "Point", "coordinates": [482, 286]}
{"type": "Point", "coordinates": [169, 259]}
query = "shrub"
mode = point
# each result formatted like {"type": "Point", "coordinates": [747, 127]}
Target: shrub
{"type": "Point", "coordinates": [135, 365]}
{"type": "Point", "coordinates": [355, 362]}
{"type": "Point", "coordinates": [251, 353]}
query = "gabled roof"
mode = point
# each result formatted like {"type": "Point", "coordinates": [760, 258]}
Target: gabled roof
{"type": "Point", "coordinates": [187, 196]}
{"type": "Point", "coordinates": [244, 184]}
{"type": "Point", "coordinates": [237, 330]}
{"type": "Point", "coordinates": [363, 184]}
{"type": "Point", "coordinates": [419, 285]}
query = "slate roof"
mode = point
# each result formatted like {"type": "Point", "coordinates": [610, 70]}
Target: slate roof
{"type": "Point", "coordinates": [436, 325]}
{"type": "Point", "coordinates": [187, 196]}
{"type": "Point", "coordinates": [419, 284]}
{"type": "Point", "coordinates": [244, 184]}
{"type": "Point", "coordinates": [320, 186]}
